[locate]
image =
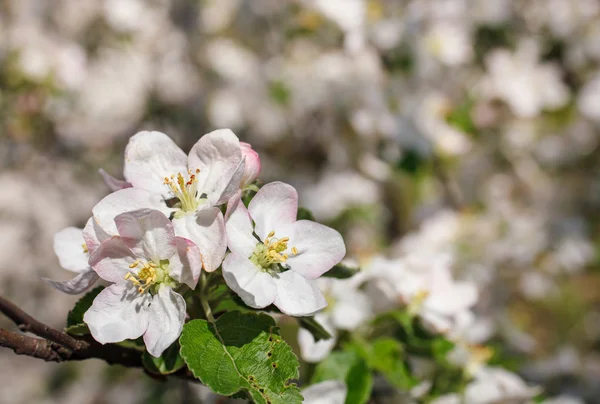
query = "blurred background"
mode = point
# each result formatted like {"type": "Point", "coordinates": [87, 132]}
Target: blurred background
{"type": "Point", "coordinates": [468, 127]}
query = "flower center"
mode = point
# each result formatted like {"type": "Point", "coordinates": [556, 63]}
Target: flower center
{"type": "Point", "coordinates": [148, 275]}
{"type": "Point", "coordinates": [272, 252]}
{"type": "Point", "coordinates": [185, 191]}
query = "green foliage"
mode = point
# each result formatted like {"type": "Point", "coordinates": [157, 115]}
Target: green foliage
{"type": "Point", "coordinates": [75, 324]}
{"type": "Point", "coordinates": [169, 362]}
{"type": "Point", "coordinates": [242, 352]}
{"type": "Point", "coordinates": [350, 368]}
{"type": "Point", "coordinates": [305, 214]}
{"type": "Point", "coordinates": [310, 324]}
{"type": "Point", "coordinates": [341, 272]}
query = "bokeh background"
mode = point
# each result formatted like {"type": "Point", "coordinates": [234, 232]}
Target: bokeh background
{"type": "Point", "coordinates": [462, 126]}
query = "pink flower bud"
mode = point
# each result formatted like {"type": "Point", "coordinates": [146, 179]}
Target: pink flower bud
{"type": "Point", "coordinates": [252, 167]}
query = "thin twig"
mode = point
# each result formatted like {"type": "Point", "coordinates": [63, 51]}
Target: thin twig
{"type": "Point", "coordinates": [34, 347]}
{"type": "Point", "coordinates": [29, 324]}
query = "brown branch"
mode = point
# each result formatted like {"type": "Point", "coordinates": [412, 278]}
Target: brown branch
{"type": "Point", "coordinates": [29, 324]}
{"type": "Point", "coordinates": [56, 346]}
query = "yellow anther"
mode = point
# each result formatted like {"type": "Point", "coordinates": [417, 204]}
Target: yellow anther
{"type": "Point", "coordinates": [145, 278]}
{"type": "Point", "coordinates": [85, 249]}
{"type": "Point", "coordinates": [134, 264]}
{"type": "Point", "coordinates": [294, 251]}
{"type": "Point", "coordinates": [271, 234]}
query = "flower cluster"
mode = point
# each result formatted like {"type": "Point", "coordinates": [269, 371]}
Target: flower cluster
{"type": "Point", "coordinates": [163, 225]}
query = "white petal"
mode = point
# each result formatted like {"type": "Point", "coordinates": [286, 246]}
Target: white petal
{"type": "Point", "coordinates": [78, 284]}
{"type": "Point", "coordinates": [118, 313]}
{"type": "Point", "coordinates": [186, 265]}
{"type": "Point", "coordinates": [351, 311]}
{"type": "Point", "coordinates": [239, 227]}
{"type": "Point", "coordinates": [123, 201]}
{"type": "Point", "coordinates": [112, 260]}
{"type": "Point", "coordinates": [68, 246]}
{"type": "Point", "coordinates": [456, 298]}
{"type": "Point", "coordinates": [94, 235]}
{"type": "Point", "coordinates": [274, 206]}
{"type": "Point", "coordinates": [255, 287]}
{"type": "Point", "coordinates": [315, 351]}
{"type": "Point", "coordinates": [149, 158]}
{"type": "Point", "coordinates": [206, 229]}
{"type": "Point", "coordinates": [327, 392]}
{"type": "Point", "coordinates": [319, 248]}
{"type": "Point", "coordinates": [148, 233]}
{"type": "Point", "coordinates": [165, 320]}
{"type": "Point", "coordinates": [298, 296]}
{"type": "Point", "coordinates": [113, 183]}
{"type": "Point", "coordinates": [252, 164]}
{"type": "Point", "coordinates": [219, 158]}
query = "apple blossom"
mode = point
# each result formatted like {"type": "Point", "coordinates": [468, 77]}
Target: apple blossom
{"type": "Point", "coordinates": [252, 164]}
{"type": "Point", "coordinates": [113, 183]}
{"type": "Point", "coordinates": [280, 265]}
{"type": "Point", "coordinates": [159, 171]}
{"type": "Point", "coordinates": [145, 262]}
{"type": "Point", "coordinates": [73, 255]}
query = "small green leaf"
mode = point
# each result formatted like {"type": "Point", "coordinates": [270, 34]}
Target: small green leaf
{"type": "Point", "coordinates": [388, 358]}
{"type": "Point", "coordinates": [169, 362]}
{"type": "Point", "coordinates": [350, 368]}
{"type": "Point", "coordinates": [75, 324]}
{"type": "Point", "coordinates": [341, 272]}
{"type": "Point", "coordinates": [242, 351]}
{"type": "Point", "coordinates": [310, 324]}
{"type": "Point", "coordinates": [305, 214]}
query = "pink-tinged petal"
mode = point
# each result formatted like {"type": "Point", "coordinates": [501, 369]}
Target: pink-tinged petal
{"type": "Point", "coordinates": [273, 207]}
{"type": "Point", "coordinates": [113, 183]}
{"type": "Point", "coordinates": [112, 260]}
{"type": "Point", "coordinates": [77, 285]}
{"type": "Point", "coordinates": [319, 248]}
{"type": "Point", "coordinates": [118, 313]}
{"type": "Point", "coordinates": [149, 158]}
{"type": "Point", "coordinates": [239, 227]}
{"type": "Point", "coordinates": [256, 288]}
{"type": "Point", "coordinates": [148, 233]}
{"type": "Point", "coordinates": [313, 351]}
{"type": "Point", "coordinates": [206, 229]}
{"type": "Point", "coordinates": [165, 320]}
{"type": "Point", "coordinates": [123, 201]}
{"type": "Point", "coordinates": [218, 157]}
{"type": "Point", "coordinates": [252, 164]}
{"type": "Point", "coordinates": [94, 235]}
{"type": "Point", "coordinates": [298, 296]}
{"type": "Point", "coordinates": [186, 265]}
{"type": "Point", "coordinates": [68, 247]}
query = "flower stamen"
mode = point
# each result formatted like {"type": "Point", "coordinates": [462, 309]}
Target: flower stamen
{"type": "Point", "coordinates": [185, 191]}
{"type": "Point", "coordinates": [145, 278]}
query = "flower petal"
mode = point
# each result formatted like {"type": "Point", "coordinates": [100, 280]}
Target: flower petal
{"type": "Point", "coordinates": [68, 246]}
{"type": "Point", "coordinates": [186, 265]}
{"type": "Point", "coordinates": [113, 183]}
{"type": "Point", "coordinates": [255, 287]}
{"type": "Point", "coordinates": [206, 229]}
{"type": "Point", "coordinates": [273, 207]}
{"type": "Point", "coordinates": [94, 235]}
{"type": "Point", "coordinates": [149, 158]}
{"type": "Point", "coordinates": [148, 233]}
{"type": "Point", "coordinates": [219, 158]}
{"type": "Point", "coordinates": [319, 248]}
{"type": "Point", "coordinates": [239, 227]}
{"type": "Point", "coordinates": [118, 313]}
{"type": "Point", "coordinates": [78, 284]}
{"type": "Point", "coordinates": [298, 296]}
{"type": "Point", "coordinates": [125, 200]}
{"type": "Point", "coordinates": [165, 320]}
{"type": "Point", "coordinates": [112, 260]}
{"type": "Point", "coordinates": [252, 164]}
{"type": "Point", "coordinates": [327, 392]}
{"type": "Point", "coordinates": [315, 351]}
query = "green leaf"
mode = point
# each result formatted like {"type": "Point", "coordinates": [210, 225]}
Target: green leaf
{"type": "Point", "coordinates": [388, 358]}
{"type": "Point", "coordinates": [75, 324]}
{"type": "Point", "coordinates": [305, 214]}
{"type": "Point", "coordinates": [310, 324]}
{"type": "Point", "coordinates": [242, 351]}
{"type": "Point", "coordinates": [350, 368]}
{"type": "Point", "coordinates": [341, 272]}
{"type": "Point", "coordinates": [169, 362]}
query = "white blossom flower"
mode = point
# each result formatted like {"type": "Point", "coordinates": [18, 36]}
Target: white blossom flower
{"type": "Point", "coordinates": [327, 392]}
{"type": "Point", "coordinates": [280, 264]}
{"type": "Point", "coordinates": [73, 255]}
{"type": "Point", "coordinates": [159, 170]}
{"type": "Point", "coordinates": [145, 262]}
